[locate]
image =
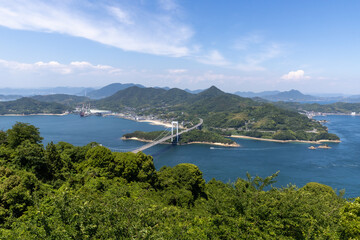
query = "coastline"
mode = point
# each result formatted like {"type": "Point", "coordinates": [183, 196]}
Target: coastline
{"type": "Point", "coordinates": [196, 142]}
{"type": "Point", "coordinates": [156, 122]}
{"type": "Point", "coordinates": [35, 114]}
{"type": "Point", "coordinates": [136, 139]}
{"type": "Point", "coordinates": [215, 144]}
{"type": "Point", "coordinates": [285, 141]}
{"type": "Point", "coordinates": [151, 122]}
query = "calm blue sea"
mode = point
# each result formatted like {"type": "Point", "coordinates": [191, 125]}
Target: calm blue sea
{"type": "Point", "coordinates": [338, 167]}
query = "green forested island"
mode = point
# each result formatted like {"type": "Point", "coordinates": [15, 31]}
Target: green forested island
{"type": "Point", "coordinates": [194, 136]}
{"type": "Point", "coordinates": [223, 113]}
{"type": "Point", "coordinates": [61, 191]}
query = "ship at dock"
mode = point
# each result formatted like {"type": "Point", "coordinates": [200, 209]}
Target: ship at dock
{"type": "Point", "coordinates": [85, 111]}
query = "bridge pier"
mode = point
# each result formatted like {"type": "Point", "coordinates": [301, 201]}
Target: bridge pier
{"type": "Point", "coordinates": [177, 130]}
{"type": "Point", "coordinates": [169, 137]}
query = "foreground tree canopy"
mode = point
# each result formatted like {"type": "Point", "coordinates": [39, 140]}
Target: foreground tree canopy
{"type": "Point", "coordinates": [63, 191]}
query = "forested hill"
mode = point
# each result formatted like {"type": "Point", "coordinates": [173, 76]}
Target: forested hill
{"type": "Point", "coordinates": [69, 100]}
{"type": "Point", "coordinates": [31, 106]}
{"type": "Point", "coordinates": [221, 112]}
{"type": "Point", "coordinates": [136, 97]}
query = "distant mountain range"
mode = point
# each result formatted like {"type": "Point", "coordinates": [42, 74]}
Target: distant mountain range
{"type": "Point", "coordinates": [296, 96]}
{"type": "Point", "coordinates": [287, 96]}
{"type": "Point", "coordinates": [9, 97]}
{"type": "Point", "coordinates": [68, 100]}
{"type": "Point", "coordinates": [115, 87]}
{"type": "Point", "coordinates": [7, 94]}
{"type": "Point", "coordinates": [110, 90]}
{"type": "Point", "coordinates": [291, 96]}
{"type": "Point", "coordinates": [259, 94]}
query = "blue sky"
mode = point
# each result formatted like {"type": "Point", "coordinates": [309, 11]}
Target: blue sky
{"type": "Point", "coordinates": [312, 46]}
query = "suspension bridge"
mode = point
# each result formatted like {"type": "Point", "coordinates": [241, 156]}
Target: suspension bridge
{"type": "Point", "coordinates": [172, 136]}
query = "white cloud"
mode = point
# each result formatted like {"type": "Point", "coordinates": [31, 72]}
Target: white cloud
{"type": "Point", "coordinates": [245, 42]}
{"type": "Point", "coordinates": [177, 71]}
{"type": "Point", "coordinates": [56, 67]}
{"type": "Point", "coordinates": [214, 58]}
{"type": "Point", "coordinates": [122, 16]}
{"type": "Point", "coordinates": [131, 29]}
{"type": "Point", "coordinates": [254, 62]}
{"type": "Point", "coordinates": [295, 75]}
{"type": "Point", "coordinates": [168, 4]}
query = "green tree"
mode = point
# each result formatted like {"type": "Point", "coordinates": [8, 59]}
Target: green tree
{"type": "Point", "coordinates": [21, 132]}
{"type": "Point", "coordinates": [182, 184]}
{"type": "Point", "coordinates": [30, 156]}
{"type": "Point", "coordinates": [3, 137]}
{"type": "Point", "coordinates": [135, 167]}
{"type": "Point", "coordinates": [53, 160]}
{"type": "Point", "coordinates": [350, 220]}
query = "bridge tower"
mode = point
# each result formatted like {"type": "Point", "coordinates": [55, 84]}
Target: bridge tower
{"type": "Point", "coordinates": [176, 124]}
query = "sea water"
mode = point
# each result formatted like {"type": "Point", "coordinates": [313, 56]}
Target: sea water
{"type": "Point", "coordinates": [338, 167]}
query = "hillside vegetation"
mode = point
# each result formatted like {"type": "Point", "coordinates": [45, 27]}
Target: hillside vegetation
{"type": "Point", "coordinates": [185, 138]}
{"type": "Point", "coordinates": [65, 192]}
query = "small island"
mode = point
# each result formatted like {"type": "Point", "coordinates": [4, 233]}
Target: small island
{"type": "Point", "coordinates": [192, 137]}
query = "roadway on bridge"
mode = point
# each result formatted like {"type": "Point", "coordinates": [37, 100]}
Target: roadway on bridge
{"type": "Point", "coordinates": [149, 145]}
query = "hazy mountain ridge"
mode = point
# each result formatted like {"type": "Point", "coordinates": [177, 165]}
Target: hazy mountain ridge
{"type": "Point", "coordinates": [256, 94]}
{"type": "Point", "coordinates": [69, 100]}
{"type": "Point", "coordinates": [110, 89]}
{"type": "Point", "coordinates": [292, 95]}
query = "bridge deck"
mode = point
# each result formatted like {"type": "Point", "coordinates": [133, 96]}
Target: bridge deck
{"type": "Point", "coordinates": [149, 145]}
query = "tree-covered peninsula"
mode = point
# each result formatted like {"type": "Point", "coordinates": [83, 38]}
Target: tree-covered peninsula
{"type": "Point", "coordinates": [62, 191]}
{"type": "Point", "coordinates": [31, 106]}
{"type": "Point", "coordinates": [194, 136]}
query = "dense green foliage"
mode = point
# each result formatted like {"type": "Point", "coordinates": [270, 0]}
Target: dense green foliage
{"type": "Point", "coordinates": [188, 137]}
{"type": "Point", "coordinates": [204, 136]}
{"type": "Point", "coordinates": [291, 135]}
{"type": "Point", "coordinates": [31, 106]}
{"type": "Point", "coordinates": [149, 136]}
{"type": "Point", "coordinates": [67, 192]}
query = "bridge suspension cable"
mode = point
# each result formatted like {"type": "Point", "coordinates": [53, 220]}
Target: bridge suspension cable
{"type": "Point", "coordinates": [161, 135]}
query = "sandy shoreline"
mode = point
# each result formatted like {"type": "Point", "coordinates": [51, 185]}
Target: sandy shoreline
{"type": "Point", "coordinates": [151, 122]}
{"type": "Point", "coordinates": [207, 143]}
{"type": "Point", "coordinates": [156, 122]}
{"type": "Point", "coordinates": [285, 141]}
{"type": "Point", "coordinates": [136, 139]}
{"type": "Point", "coordinates": [215, 144]}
